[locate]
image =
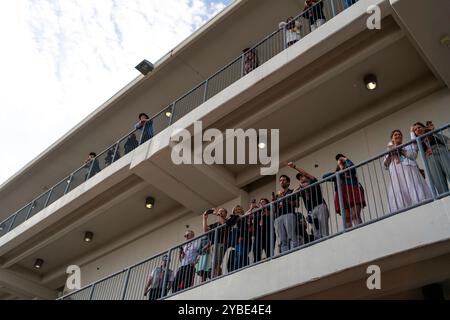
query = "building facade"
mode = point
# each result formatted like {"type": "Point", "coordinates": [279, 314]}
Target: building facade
{"type": "Point", "coordinates": [308, 77]}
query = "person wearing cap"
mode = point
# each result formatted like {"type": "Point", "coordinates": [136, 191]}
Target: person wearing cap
{"type": "Point", "coordinates": [144, 127]}
{"type": "Point", "coordinates": [155, 284]}
{"type": "Point", "coordinates": [351, 189]}
{"type": "Point", "coordinates": [318, 214]}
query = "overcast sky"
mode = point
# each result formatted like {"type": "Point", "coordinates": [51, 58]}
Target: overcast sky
{"type": "Point", "coordinates": [61, 59]}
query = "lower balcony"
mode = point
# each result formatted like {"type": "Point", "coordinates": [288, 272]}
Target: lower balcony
{"type": "Point", "coordinates": [302, 245]}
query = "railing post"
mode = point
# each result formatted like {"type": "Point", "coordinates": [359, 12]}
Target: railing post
{"type": "Point", "coordinates": [172, 113]}
{"type": "Point", "coordinates": [215, 247]}
{"type": "Point", "coordinates": [91, 294]}
{"type": "Point", "coordinates": [126, 284]}
{"type": "Point", "coordinates": [68, 183]}
{"type": "Point", "coordinates": [142, 133]}
{"type": "Point", "coordinates": [29, 210]}
{"type": "Point", "coordinates": [333, 9]}
{"type": "Point", "coordinates": [341, 200]}
{"type": "Point", "coordinates": [272, 226]}
{"type": "Point", "coordinates": [48, 197]}
{"type": "Point", "coordinates": [166, 275]}
{"type": "Point", "coordinates": [426, 167]}
{"type": "Point", "coordinates": [90, 169]}
{"type": "Point", "coordinates": [205, 94]}
{"type": "Point", "coordinates": [115, 152]}
{"type": "Point", "coordinates": [12, 223]}
{"type": "Point", "coordinates": [242, 64]}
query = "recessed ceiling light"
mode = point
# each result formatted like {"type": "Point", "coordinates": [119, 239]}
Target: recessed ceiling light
{"type": "Point", "coordinates": [370, 81]}
{"type": "Point", "coordinates": [38, 263]}
{"type": "Point", "coordinates": [149, 202]}
{"type": "Point", "coordinates": [88, 236]}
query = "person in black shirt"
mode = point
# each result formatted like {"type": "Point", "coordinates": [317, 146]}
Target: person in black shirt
{"type": "Point", "coordinates": [285, 218]}
{"type": "Point", "coordinates": [318, 214]}
{"type": "Point", "coordinates": [262, 228]}
{"type": "Point", "coordinates": [218, 247]}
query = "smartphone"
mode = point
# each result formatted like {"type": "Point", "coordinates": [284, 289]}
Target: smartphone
{"type": "Point", "coordinates": [254, 201]}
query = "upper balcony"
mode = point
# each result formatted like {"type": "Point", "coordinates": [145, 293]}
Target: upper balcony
{"type": "Point", "coordinates": [319, 75]}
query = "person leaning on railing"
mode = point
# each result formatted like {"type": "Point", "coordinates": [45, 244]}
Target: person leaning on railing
{"type": "Point", "coordinates": [285, 218]}
{"type": "Point", "coordinates": [318, 214]}
{"type": "Point", "coordinates": [218, 247]}
{"type": "Point", "coordinates": [238, 239]}
{"type": "Point", "coordinates": [351, 190]}
{"type": "Point", "coordinates": [262, 228]}
{"type": "Point", "coordinates": [251, 61]}
{"type": "Point", "coordinates": [92, 166]}
{"type": "Point", "coordinates": [188, 256]}
{"type": "Point", "coordinates": [155, 284]}
{"type": "Point", "coordinates": [292, 31]}
{"type": "Point", "coordinates": [436, 147]}
{"type": "Point", "coordinates": [314, 13]}
{"type": "Point", "coordinates": [408, 186]}
{"type": "Point", "coordinates": [144, 127]}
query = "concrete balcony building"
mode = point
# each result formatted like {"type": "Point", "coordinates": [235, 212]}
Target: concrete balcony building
{"type": "Point", "coordinates": [314, 92]}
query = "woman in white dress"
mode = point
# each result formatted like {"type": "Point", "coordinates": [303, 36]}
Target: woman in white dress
{"type": "Point", "coordinates": [408, 187]}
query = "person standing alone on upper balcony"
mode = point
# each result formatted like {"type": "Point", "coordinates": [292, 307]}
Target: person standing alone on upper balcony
{"type": "Point", "coordinates": [144, 127]}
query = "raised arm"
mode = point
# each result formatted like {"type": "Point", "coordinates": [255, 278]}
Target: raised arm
{"type": "Point", "coordinates": [301, 171]}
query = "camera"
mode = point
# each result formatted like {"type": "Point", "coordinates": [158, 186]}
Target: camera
{"type": "Point", "coordinates": [209, 211]}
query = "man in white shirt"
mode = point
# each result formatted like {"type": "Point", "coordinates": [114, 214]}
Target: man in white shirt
{"type": "Point", "coordinates": [188, 256]}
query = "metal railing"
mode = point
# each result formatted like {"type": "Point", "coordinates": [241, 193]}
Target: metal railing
{"type": "Point", "coordinates": [349, 198]}
{"type": "Point", "coordinates": [250, 59]}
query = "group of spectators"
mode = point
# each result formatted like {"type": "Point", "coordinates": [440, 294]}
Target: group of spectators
{"type": "Point", "coordinates": [246, 235]}
{"type": "Point", "coordinates": [143, 130]}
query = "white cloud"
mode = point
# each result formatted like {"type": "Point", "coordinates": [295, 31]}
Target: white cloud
{"type": "Point", "coordinates": [61, 59]}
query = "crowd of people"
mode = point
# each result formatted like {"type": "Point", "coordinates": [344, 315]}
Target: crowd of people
{"type": "Point", "coordinates": [301, 214]}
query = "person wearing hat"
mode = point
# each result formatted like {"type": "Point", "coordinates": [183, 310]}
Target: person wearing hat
{"type": "Point", "coordinates": [144, 127]}
{"type": "Point", "coordinates": [155, 284]}
{"type": "Point", "coordinates": [318, 214]}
